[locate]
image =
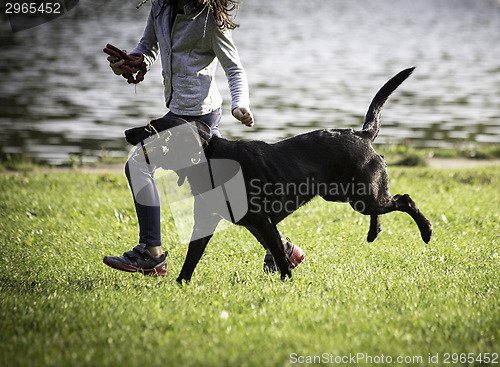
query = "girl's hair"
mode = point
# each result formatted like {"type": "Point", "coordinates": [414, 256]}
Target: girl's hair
{"type": "Point", "coordinates": [221, 9]}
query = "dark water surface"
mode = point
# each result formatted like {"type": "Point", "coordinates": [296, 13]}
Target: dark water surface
{"type": "Point", "coordinates": [310, 65]}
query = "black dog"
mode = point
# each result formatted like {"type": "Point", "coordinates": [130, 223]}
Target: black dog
{"type": "Point", "coordinates": [339, 165]}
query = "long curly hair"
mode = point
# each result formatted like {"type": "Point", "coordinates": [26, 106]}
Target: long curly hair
{"type": "Point", "coordinates": [221, 9]}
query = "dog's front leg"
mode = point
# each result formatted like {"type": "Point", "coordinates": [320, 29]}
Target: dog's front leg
{"type": "Point", "coordinates": [271, 236]}
{"type": "Point", "coordinates": [374, 227]}
{"type": "Point", "coordinates": [205, 224]}
{"type": "Point", "coordinates": [195, 250]}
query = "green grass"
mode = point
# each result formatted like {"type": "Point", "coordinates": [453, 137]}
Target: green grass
{"type": "Point", "coordinates": [61, 306]}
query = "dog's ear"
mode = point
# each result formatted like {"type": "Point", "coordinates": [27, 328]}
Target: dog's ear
{"type": "Point", "coordinates": [136, 134]}
{"type": "Point", "coordinates": [204, 132]}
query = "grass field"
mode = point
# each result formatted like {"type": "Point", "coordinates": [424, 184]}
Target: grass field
{"type": "Point", "coordinates": [350, 301]}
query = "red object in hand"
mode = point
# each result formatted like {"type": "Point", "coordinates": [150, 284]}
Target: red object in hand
{"type": "Point", "coordinates": [134, 64]}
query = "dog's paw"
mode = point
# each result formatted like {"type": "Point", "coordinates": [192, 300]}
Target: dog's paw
{"type": "Point", "coordinates": [287, 273]}
{"type": "Point", "coordinates": [375, 228]}
{"type": "Point", "coordinates": [373, 234]}
{"type": "Point", "coordinates": [182, 282]}
{"type": "Point", "coordinates": [426, 233]}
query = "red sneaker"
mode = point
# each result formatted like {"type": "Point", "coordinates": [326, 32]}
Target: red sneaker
{"type": "Point", "coordinates": [138, 260]}
{"type": "Point", "coordinates": [297, 255]}
{"type": "Point", "coordinates": [293, 251]}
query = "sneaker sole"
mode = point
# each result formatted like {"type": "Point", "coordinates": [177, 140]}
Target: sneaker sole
{"type": "Point", "coordinates": [159, 270]}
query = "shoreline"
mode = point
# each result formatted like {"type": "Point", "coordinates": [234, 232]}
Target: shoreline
{"type": "Point", "coordinates": [115, 168]}
{"type": "Point", "coordinates": [460, 162]}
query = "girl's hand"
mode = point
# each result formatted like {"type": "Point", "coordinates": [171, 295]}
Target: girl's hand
{"type": "Point", "coordinates": [115, 64]}
{"type": "Point", "coordinates": [244, 115]}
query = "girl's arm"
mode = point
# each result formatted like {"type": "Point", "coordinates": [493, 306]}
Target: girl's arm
{"type": "Point", "coordinates": [148, 45]}
{"type": "Point", "coordinates": [226, 52]}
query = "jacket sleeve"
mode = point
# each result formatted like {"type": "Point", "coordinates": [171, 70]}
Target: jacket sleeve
{"type": "Point", "coordinates": [227, 54]}
{"type": "Point", "coordinates": [148, 45]}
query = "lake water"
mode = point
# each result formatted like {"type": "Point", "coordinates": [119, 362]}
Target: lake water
{"type": "Point", "coordinates": [310, 65]}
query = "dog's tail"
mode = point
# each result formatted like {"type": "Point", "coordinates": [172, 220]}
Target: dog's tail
{"type": "Point", "coordinates": [372, 119]}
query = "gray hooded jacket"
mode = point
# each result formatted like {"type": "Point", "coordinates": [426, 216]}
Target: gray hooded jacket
{"type": "Point", "coordinates": [190, 47]}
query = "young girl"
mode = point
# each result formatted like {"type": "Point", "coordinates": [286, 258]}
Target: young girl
{"type": "Point", "coordinates": [190, 36]}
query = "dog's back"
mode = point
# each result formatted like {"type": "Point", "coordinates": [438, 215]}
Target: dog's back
{"type": "Point", "coordinates": [294, 170]}
{"type": "Point", "coordinates": [313, 161]}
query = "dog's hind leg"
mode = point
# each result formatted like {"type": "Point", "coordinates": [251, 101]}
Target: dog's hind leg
{"type": "Point", "coordinates": [374, 227]}
{"type": "Point", "coordinates": [405, 204]}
